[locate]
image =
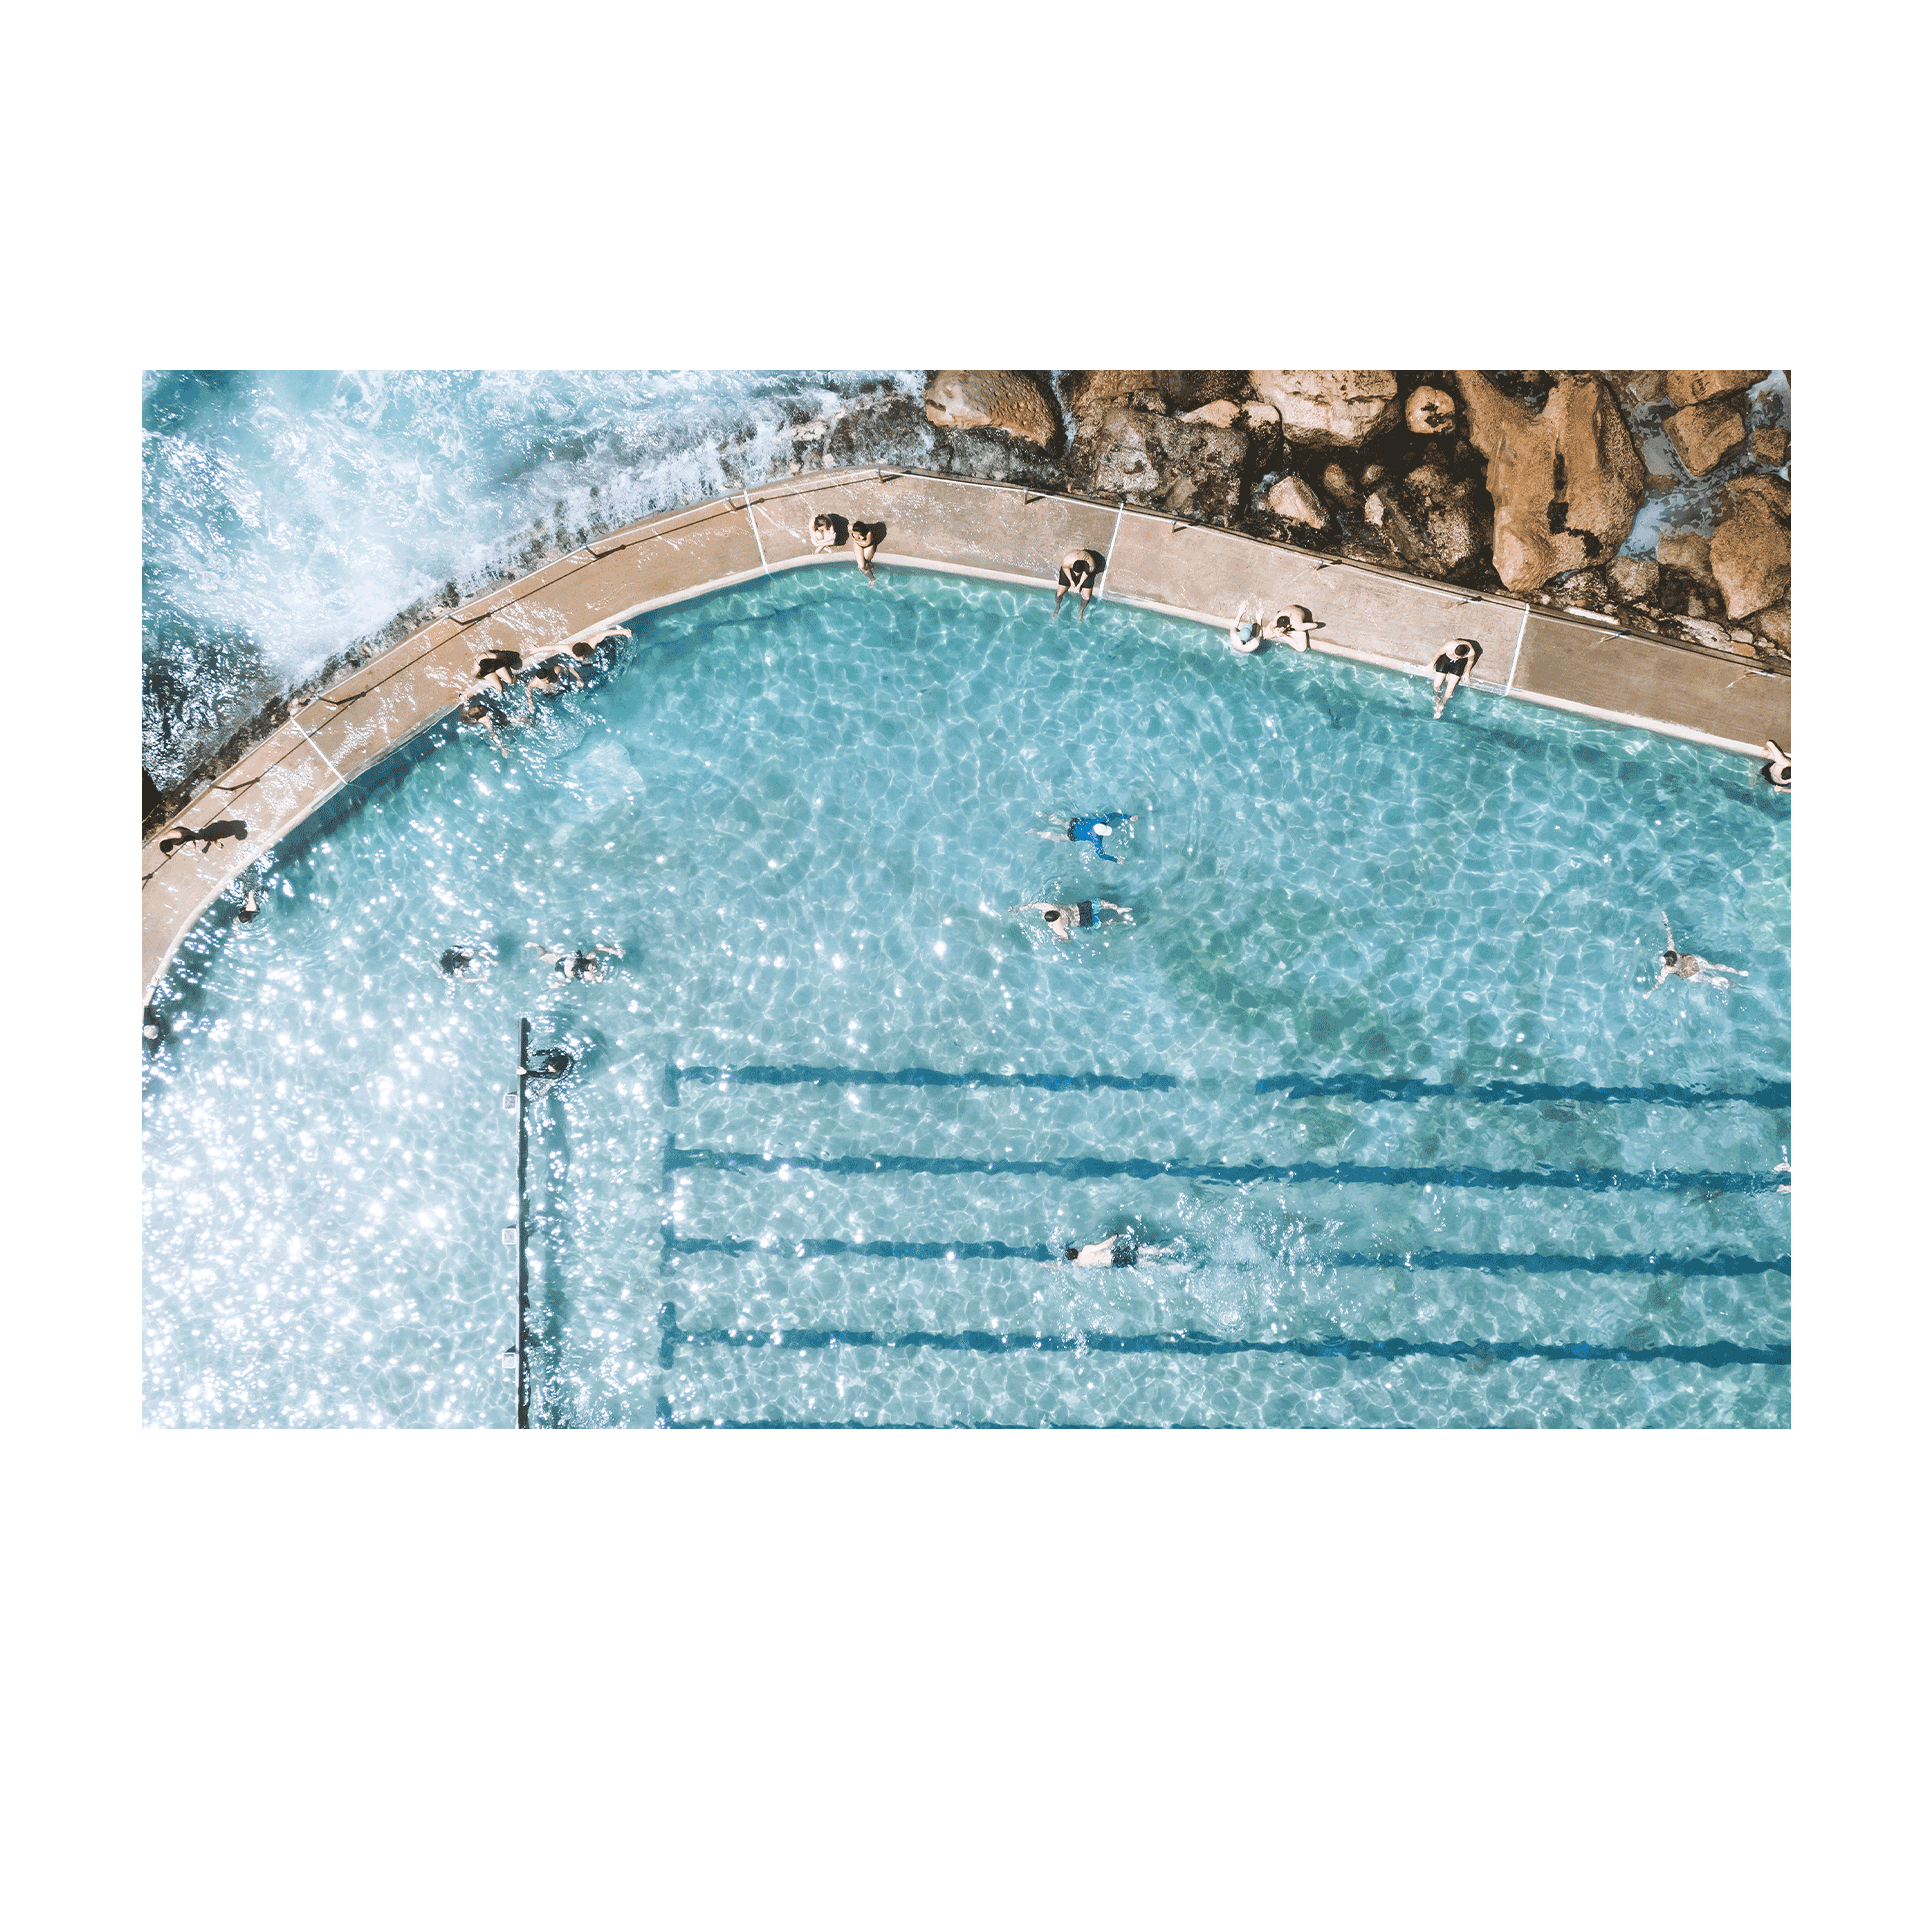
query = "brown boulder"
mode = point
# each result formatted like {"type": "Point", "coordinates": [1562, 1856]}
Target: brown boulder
{"type": "Point", "coordinates": [1690, 388]}
{"type": "Point", "coordinates": [1086, 392]}
{"type": "Point", "coordinates": [1641, 387]}
{"type": "Point", "coordinates": [1566, 482]}
{"type": "Point", "coordinates": [1337, 484]}
{"type": "Point", "coordinates": [1329, 407]}
{"type": "Point", "coordinates": [1771, 446]}
{"type": "Point", "coordinates": [1752, 544]}
{"type": "Point", "coordinates": [1184, 390]}
{"type": "Point", "coordinates": [1155, 460]}
{"type": "Point", "coordinates": [1776, 623]}
{"type": "Point", "coordinates": [1633, 578]}
{"type": "Point", "coordinates": [1430, 410]}
{"type": "Point", "coordinates": [1217, 413]}
{"type": "Point", "coordinates": [1293, 499]}
{"type": "Point", "coordinates": [1437, 522]}
{"type": "Point", "coordinates": [1689, 553]}
{"type": "Point", "coordinates": [1009, 401]}
{"type": "Point", "coordinates": [1704, 435]}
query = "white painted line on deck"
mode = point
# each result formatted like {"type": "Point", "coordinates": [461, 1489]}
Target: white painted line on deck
{"type": "Point", "coordinates": [321, 751]}
{"type": "Point", "coordinates": [1100, 591]}
{"type": "Point", "coordinates": [1518, 638]}
{"type": "Point", "coordinates": [746, 494]}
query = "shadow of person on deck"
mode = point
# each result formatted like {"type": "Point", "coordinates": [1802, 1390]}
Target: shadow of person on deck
{"type": "Point", "coordinates": [200, 838]}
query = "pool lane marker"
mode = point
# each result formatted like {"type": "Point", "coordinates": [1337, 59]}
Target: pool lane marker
{"type": "Point", "coordinates": [1519, 640]}
{"type": "Point", "coordinates": [1113, 545]}
{"type": "Point", "coordinates": [677, 1158]}
{"type": "Point", "coordinates": [1712, 1353]}
{"type": "Point", "coordinates": [746, 494]}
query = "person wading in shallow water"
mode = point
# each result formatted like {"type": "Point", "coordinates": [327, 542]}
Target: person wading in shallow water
{"type": "Point", "coordinates": [1076, 575]}
{"type": "Point", "coordinates": [1688, 966]}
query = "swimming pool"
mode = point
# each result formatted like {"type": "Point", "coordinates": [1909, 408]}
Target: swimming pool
{"type": "Point", "coordinates": [1373, 1058]}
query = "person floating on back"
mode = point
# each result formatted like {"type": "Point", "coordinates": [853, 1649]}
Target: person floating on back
{"type": "Point", "coordinates": [1062, 920]}
{"type": "Point", "coordinates": [1076, 575]}
{"type": "Point", "coordinates": [1096, 828]}
{"type": "Point", "coordinates": [1688, 966]}
{"type": "Point", "coordinates": [1453, 668]}
{"type": "Point", "coordinates": [579, 965]}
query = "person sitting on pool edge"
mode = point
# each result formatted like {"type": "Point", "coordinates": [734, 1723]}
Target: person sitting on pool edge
{"type": "Point", "coordinates": [1687, 966]}
{"type": "Point", "coordinates": [1453, 667]}
{"type": "Point", "coordinates": [1116, 1250]}
{"type": "Point", "coordinates": [865, 538]}
{"type": "Point", "coordinates": [1097, 828]}
{"type": "Point", "coordinates": [1081, 913]}
{"type": "Point", "coordinates": [579, 965]}
{"type": "Point", "coordinates": [826, 532]}
{"type": "Point", "coordinates": [1076, 575]}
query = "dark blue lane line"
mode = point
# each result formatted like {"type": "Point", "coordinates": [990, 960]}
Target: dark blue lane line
{"type": "Point", "coordinates": [1426, 1261]}
{"type": "Point", "coordinates": [817, 1076]}
{"type": "Point", "coordinates": [1296, 1086]}
{"type": "Point", "coordinates": [1716, 1353]}
{"type": "Point", "coordinates": [1586, 1179]}
{"type": "Point", "coordinates": [1515, 1093]}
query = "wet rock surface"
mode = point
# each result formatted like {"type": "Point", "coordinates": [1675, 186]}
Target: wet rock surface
{"type": "Point", "coordinates": [1185, 467]}
{"type": "Point", "coordinates": [1704, 435]}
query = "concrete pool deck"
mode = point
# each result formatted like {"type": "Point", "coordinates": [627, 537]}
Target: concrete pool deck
{"type": "Point", "coordinates": [987, 530]}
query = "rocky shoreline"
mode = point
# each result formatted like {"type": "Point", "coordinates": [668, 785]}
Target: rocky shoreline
{"type": "Point", "coordinates": [1523, 482]}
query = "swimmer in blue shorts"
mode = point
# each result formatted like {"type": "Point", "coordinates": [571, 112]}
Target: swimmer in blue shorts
{"type": "Point", "coordinates": [1097, 828]}
{"type": "Point", "coordinates": [1081, 913]}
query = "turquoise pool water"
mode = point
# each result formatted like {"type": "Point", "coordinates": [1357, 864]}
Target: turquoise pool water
{"type": "Point", "coordinates": [1373, 1059]}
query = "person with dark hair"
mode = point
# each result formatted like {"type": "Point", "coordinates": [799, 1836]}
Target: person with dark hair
{"type": "Point", "coordinates": [249, 908]}
{"type": "Point", "coordinates": [865, 538]}
{"type": "Point", "coordinates": [1081, 913]}
{"type": "Point", "coordinates": [1452, 669]}
{"type": "Point", "coordinates": [546, 675]}
{"type": "Point", "coordinates": [582, 964]}
{"type": "Point", "coordinates": [825, 535]}
{"type": "Point", "coordinates": [476, 713]}
{"type": "Point", "coordinates": [1116, 1250]}
{"type": "Point", "coordinates": [1687, 966]}
{"type": "Point", "coordinates": [550, 1064]}
{"type": "Point", "coordinates": [1778, 771]}
{"type": "Point", "coordinates": [1078, 571]}
{"type": "Point", "coordinates": [500, 668]}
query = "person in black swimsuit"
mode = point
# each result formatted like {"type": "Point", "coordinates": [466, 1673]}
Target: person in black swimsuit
{"type": "Point", "coordinates": [1778, 772]}
{"type": "Point", "coordinates": [1452, 669]}
{"type": "Point", "coordinates": [1076, 575]}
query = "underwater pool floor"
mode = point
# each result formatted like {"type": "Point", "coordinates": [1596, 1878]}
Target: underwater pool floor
{"type": "Point", "coordinates": [1373, 1058]}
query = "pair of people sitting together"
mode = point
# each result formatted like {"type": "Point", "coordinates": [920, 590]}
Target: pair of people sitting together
{"type": "Point", "coordinates": [830, 531]}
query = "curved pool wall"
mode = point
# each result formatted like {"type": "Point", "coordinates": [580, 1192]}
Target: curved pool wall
{"type": "Point", "coordinates": [1376, 1054]}
{"type": "Point", "coordinates": [985, 529]}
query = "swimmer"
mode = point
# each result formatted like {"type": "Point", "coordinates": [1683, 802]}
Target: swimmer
{"type": "Point", "coordinates": [476, 713]}
{"type": "Point", "coordinates": [580, 965]}
{"type": "Point", "coordinates": [1244, 635]}
{"type": "Point", "coordinates": [1453, 668]}
{"type": "Point", "coordinates": [1076, 575]}
{"type": "Point", "coordinates": [865, 539]}
{"type": "Point", "coordinates": [1778, 772]}
{"type": "Point", "coordinates": [1687, 966]}
{"type": "Point", "coordinates": [1115, 1250]}
{"type": "Point", "coordinates": [550, 1063]}
{"type": "Point", "coordinates": [1095, 827]}
{"type": "Point", "coordinates": [457, 963]}
{"type": "Point", "coordinates": [826, 534]}
{"type": "Point", "coordinates": [546, 676]}
{"type": "Point", "coordinates": [249, 908]}
{"type": "Point", "coordinates": [1081, 913]}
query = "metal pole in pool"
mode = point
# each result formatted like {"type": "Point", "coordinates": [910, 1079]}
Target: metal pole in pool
{"type": "Point", "coordinates": [520, 1242]}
